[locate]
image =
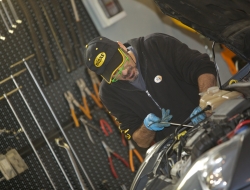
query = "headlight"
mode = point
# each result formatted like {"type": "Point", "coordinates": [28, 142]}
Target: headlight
{"type": "Point", "coordinates": [214, 169]}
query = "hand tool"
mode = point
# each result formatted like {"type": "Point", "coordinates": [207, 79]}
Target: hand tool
{"type": "Point", "coordinates": [11, 92]}
{"type": "Point", "coordinates": [43, 134]}
{"type": "Point", "coordinates": [76, 44]}
{"type": "Point", "coordinates": [95, 83]}
{"type": "Point", "coordinates": [65, 37]}
{"type": "Point", "coordinates": [73, 4]}
{"type": "Point", "coordinates": [105, 127]}
{"type": "Point", "coordinates": [15, 75]}
{"type": "Point", "coordinates": [6, 24]}
{"type": "Point", "coordinates": [83, 87]}
{"type": "Point", "coordinates": [2, 37]}
{"type": "Point", "coordinates": [177, 124]}
{"type": "Point", "coordinates": [71, 100]}
{"type": "Point", "coordinates": [14, 12]}
{"type": "Point", "coordinates": [86, 125]}
{"type": "Point", "coordinates": [7, 14]}
{"type": "Point", "coordinates": [36, 43]}
{"type": "Point", "coordinates": [45, 38]}
{"type": "Point", "coordinates": [131, 151]}
{"type": "Point", "coordinates": [59, 125]}
{"type": "Point", "coordinates": [29, 140]}
{"type": "Point", "coordinates": [21, 61]}
{"type": "Point", "coordinates": [72, 109]}
{"type": "Point", "coordinates": [56, 40]}
{"type": "Point", "coordinates": [78, 24]}
{"type": "Point", "coordinates": [64, 145]}
{"type": "Point", "coordinates": [111, 152]}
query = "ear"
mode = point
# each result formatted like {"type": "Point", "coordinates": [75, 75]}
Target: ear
{"type": "Point", "coordinates": [122, 46]}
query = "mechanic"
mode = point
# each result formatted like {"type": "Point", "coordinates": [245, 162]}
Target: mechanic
{"type": "Point", "coordinates": [144, 76]}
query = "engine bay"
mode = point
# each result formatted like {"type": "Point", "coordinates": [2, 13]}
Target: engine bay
{"type": "Point", "coordinates": [169, 161]}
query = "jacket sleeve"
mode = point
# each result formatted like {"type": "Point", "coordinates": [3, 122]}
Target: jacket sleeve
{"type": "Point", "coordinates": [185, 63]}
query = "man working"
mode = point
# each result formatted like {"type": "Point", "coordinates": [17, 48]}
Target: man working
{"type": "Point", "coordinates": [146, 75]}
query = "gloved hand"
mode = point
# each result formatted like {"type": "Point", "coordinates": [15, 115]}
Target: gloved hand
{"type": "Point", "coordinates": [153, 123]}
{"type": "Point", "coordinates": [199, 118]}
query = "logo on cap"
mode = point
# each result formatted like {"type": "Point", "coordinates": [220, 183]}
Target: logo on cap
{"type": "Point", "coordinates": [99, 60]}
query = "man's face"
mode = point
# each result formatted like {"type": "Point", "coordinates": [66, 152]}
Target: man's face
{"type": "Point", "coordinates": [127, 71]}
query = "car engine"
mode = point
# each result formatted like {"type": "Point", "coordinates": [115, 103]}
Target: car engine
{"type": "Point", "coordinates": [198, 157]}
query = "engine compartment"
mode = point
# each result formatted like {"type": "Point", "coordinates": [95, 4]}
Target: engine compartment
{"type": "Point", "coordinates": [169, 160]}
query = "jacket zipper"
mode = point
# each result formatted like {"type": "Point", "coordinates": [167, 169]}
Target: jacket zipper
{"type": "Point", "coordinates": [149, 95]}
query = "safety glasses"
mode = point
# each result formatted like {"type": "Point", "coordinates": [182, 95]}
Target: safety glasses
{"type": "Point", "coordinates": [119, 71]}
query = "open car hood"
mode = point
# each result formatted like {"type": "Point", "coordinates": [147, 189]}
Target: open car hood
{"type": "Point", "coordinates": [223, 21]}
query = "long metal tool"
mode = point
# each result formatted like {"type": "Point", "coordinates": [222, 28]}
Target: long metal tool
{"type": "Point", "coordinates": [64, 145]}
{"type": "Point", "coordinates": [7, 14]}
{"type": "Point", "coordinates": [11, 92]}
{"type": "Point", "coordinates": [15, 75]}
{"type": "Point", "coordinates": [65, 36]}
{"type": "Point", "coordinates": [76, 44]}
{"type": "Point", "coordinates": [30, 142]}
{"type": "Point", "coordinates": [6, 24]}
{"type": "Point", "coordinates": [36, 43]}
{"type": "Point", "coordinates": [73, 4]}
{"type": "Point", "coordinates": [59, 125]}
{"type": "Point", "coordinates": [14, 12]}
{"type": "Point", "coordinates": [78, 23]}
{"type": "Point", "coordinates": [177, 124]}
{"type": "Point", "coordinates": [43, 32]}
{"type": "Point", "coordinates": [56, 39]}
{"type": "Point", "coordinates": [43, 134]}
{"type": "Point", "coordinates": [21, 61]}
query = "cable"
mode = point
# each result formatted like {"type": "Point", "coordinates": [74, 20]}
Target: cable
{"type": "Point", "coordinates": [232, 133]}
{"type": "Point", "coordinates": [241, 124]}
{"type": "Point", "coordinates": [189, 119]}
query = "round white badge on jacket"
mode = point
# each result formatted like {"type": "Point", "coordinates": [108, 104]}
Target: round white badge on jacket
{"type": "Point", "coordinates": [158, 78]}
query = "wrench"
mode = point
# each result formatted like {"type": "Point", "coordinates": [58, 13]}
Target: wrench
{"type": "Point", "coordinates": [64, 145]}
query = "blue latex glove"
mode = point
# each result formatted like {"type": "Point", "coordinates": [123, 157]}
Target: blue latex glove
{"type": "Point", "coordinates": [199, 118]}
{"type": "Point", "coordinates": [153, 123]}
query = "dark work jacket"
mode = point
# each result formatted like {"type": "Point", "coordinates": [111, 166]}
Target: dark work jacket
{"type": "Point", "coordinates": [179, 67]}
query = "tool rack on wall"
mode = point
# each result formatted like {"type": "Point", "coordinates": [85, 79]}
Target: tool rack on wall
{"type": "Point", "coordinates": [33, 109]}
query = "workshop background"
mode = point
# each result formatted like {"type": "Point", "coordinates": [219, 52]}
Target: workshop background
{"type": "Point", "coordinates": [43, 146]}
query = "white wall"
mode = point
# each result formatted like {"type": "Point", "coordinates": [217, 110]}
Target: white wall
{"type": "Point", "coordinates": [143, 17]}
